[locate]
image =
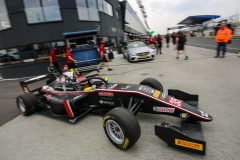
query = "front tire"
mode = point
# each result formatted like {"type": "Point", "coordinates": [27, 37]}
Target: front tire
{"type": "Point", "coordinates": [27, 103]}
{"type": "Point", "coordinates": [121, 127]}
{"type": "Point", "coordinates": [151, 82]}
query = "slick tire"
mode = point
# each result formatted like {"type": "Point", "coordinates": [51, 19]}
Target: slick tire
{"type": "Point", "coordinates": [27, 103]}
{"type": "Point", "coordinates": [121, 127]}
{"type": "Point", "coordinates": [151, 82]}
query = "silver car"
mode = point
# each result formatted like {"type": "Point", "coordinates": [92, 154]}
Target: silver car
{"type": "Point", "coordinates": [137, 51]}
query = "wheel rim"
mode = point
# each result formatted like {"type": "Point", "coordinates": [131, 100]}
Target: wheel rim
{"type": "Point", "coordinates": [115, 132]}
{"type": "Point", "coordinates": [21, 105]}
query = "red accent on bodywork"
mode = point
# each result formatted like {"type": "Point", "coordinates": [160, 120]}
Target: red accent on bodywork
{"type": "Point", "coordinates": [129, 92]}
{"type": "Point", "coordinates": [68, 108]}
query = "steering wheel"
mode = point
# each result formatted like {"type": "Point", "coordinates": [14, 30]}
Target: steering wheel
{"type": "Point", "coordinates": [98, 83]}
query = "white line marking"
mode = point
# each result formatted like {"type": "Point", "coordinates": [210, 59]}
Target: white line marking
{"type": "Point", "coordinates": [210, 46]}
{"type": "Point", "coordinates": [14, 79]}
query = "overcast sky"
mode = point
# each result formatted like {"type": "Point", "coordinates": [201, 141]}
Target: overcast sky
{"type": "Point", "coordinates": [167, 13]}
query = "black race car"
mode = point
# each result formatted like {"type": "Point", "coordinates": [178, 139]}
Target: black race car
{"type": "Point", "coordinates": [73, 98]}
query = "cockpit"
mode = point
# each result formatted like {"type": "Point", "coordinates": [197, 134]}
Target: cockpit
{"type": "Point", "coordinates": [69, 81]}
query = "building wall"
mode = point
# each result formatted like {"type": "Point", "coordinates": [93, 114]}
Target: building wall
{"type": "Point", "coordinates": [109, 24]}
{"type": "Point", "coordinates": [132, 23]}
{"type": "Point", "coordinates": [21, 33]}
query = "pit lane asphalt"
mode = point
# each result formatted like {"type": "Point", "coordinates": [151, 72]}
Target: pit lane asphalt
{"type": "Point", "coordinates": [215, 80]}
{"type": "Point", "coordinates": [210, 43]}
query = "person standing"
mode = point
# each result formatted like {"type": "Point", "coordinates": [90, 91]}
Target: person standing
{"type": "Point", "coordinates": [104, 59]}
{"type": "Point", "coordinates": [217, 28]}
{"type": "Point", "coordinates": [180, 41]}
{"type": "Point", "coordinates": [159, 42]}
{"type": "Point", "coordinates": [223, 36]}
{"type": "Point", "coordinates": [174, 39]}
{"type": "Point", "coordinates": [110, 54]}
{"type": "Point", "coordinates": [70, 61]}
{"type": "Point", "coordinates": [53, 60]}
{"type": "Point", "coordinates": [167, 37]}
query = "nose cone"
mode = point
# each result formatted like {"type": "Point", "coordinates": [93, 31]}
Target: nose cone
{"type": "Point", "coordinates": [207, 117]}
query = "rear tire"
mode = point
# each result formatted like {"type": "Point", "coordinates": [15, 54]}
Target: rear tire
{"type": "Point", "coordinates": [121, 127]}
{"type": "Point", "coordinates": [151, 82]}
{"type": "Point", "coordinates": [27, 103]}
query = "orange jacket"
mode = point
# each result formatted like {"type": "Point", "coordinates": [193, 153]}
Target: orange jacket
{"type": "Point", "coordinates": [223, 35]}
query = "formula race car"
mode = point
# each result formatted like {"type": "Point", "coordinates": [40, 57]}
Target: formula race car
{"type": "Point", "coordinates": [74, 97]}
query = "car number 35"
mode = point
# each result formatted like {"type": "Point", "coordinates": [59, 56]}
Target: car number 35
{"type": "Point", "coordinates": [175, 102]}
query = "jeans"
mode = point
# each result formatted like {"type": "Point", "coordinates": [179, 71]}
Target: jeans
{"type": "Point", "coordinates": [159, 49]}
{"type": "Point", "coordinates": [221, 46]}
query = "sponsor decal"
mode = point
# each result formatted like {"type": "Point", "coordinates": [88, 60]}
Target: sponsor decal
{"type": "Point", "coordinates": [187, 144]}
{"type": "Point", "coordinates": [105, 118]}
{"type": "Point", "coordinates": [151, 91]}
{"type": "Point", "coordinates": [106, 94]}
{"type": "Point", "coordinates": [164, 109]}
{"type": "Point", "coordinates": [156, 93]}
{"type": "Point", "coordinates": [184, 116]}
{"type": "Point", "coordinates": [140, 88]}
{"type": "Point", "coordinates": [107, 98]}
{"type": "Point", "coordinates": [125, 144]}
{"type": "Point", "coordinates": [164, 96]}
{"type": "Point", "coordinates": [203, 114]}
{"type": "Point", "coordinates": [175, 102]}
{"type": "Point", "coordinates": [146, 89]}
{"type": "Point", "coordinates": [106, 102]}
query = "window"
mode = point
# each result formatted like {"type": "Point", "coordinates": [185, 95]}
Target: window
{"type": "Point", "coordinates": [87, 10]}
{"type": "Point", "coordinates": [79, 42]}
{"type": "Point", "coordinates": [4, 20]}
{"type": "Point", "coordinates": [42, 49]}
{"type": "Point", "coordinates": [100, 5]}
{"type": "Point", "coordinates": [9, 55]}
{"type": "Point", "coordinates": [117, 14]}
{"type": "Point", "coordinates": [38, 11]}
{"type": "Point", "coordinates": [107, 8]}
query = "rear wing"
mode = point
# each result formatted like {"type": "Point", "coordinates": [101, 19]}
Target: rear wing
{"type": "Point", "coordinates": [25, 83]}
